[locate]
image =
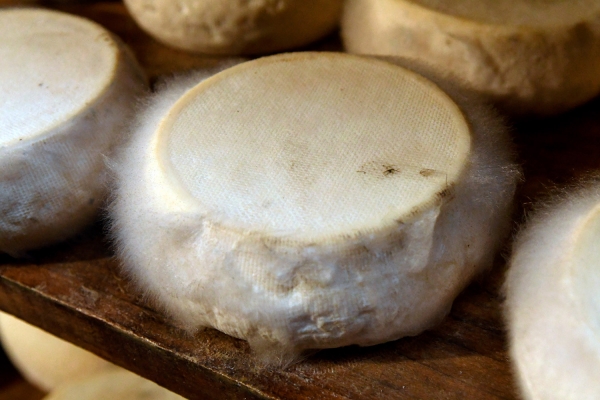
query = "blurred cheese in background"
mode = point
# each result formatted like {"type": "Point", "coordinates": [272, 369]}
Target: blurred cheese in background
{"type": "Point", "coordinates": [67, 86]}
{"type": "Point", "coordinates": [236, 26]}
{"type": "Point", "coordinates": [530, 57]}
{"type": "Point", "coordinates": [553, 300]}
{"type": "Point", "coordinates": [117, 384]}
{"type": "Point", "coordinates": [43, 359]}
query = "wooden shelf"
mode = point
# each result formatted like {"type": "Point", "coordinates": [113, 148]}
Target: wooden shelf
{"type": "Point", "coordinates": [75, 290]}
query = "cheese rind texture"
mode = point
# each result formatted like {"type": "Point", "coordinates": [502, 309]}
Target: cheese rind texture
{"type": "Point", "coordinates": [69, 86]}
{"type": "Point", "coordinates": [118, 384]}
{"type": "Point", "coordinates": [528, 57]}
{"type": "Point", "coordinates": [236, 26]}
{"type": "Point", "coordinates": [552, 300]}
{"type": "Point", "coordinates": [375, 279]}
{"type": "Point", "coordinates": [43, 359]}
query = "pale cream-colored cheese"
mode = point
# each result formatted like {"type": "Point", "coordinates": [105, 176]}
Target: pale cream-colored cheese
{"type": "Point", "coordinates": [528, 56]}
{"type": "Point", "coordinates": [112, 385]}
{"type": "Point", "coordinates": [553, 302]}
{"type": "Point", "coordinates": [311, 200]}
{"type": "Point", "coordinates": [67, 87]}
{"type": "Point", "coordinates": [236, 26]}
{"type": "Point", "coordinates": [43, 359]}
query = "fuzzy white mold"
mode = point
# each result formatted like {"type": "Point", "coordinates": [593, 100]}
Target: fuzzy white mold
{"type": "Point", "coordinates": [236, 26]}
{"type": "Point", "coordinates": [114, 385]}
{"type": "Point", "coordinates": [311, 200]}
{"type": "Point", "coordinates": [67, 87]}
{"type": "Point", "coordinates": [553, 301]}
{"type": "Point", "coordinates": [43, 359]}
{"type": "Point", "coordinates": [528, 56]}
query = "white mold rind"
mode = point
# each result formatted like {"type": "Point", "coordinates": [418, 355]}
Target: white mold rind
{"type": "Point", "coordinates": [52, 184]}
{"type": "Point", "coordinates": [285, 296]}
{"type": "Point", "coordinates": [552, 300]}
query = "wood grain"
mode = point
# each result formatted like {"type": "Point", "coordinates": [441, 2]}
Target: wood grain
{"type": "Point", "coordinates": [75, 290]}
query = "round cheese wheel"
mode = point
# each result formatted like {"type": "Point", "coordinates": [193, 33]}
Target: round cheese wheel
{"type": "Point", "coordinates": [528, 56]}
{"type": "Point", "coordinates": [236, 26]}
{"type": "Point", "coordinates": [67, 87]}
{"type": "Point", "coordinates": [553, 301]}
{"type": "Point", "coordinates": [43, 359]}
{"type": "Point", "coordinates": [114, 385]}
{"type": "Point", "coordinates": [311, 200]}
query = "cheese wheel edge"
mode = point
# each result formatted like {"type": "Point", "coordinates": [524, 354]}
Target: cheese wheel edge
{"type": "Point", "coordinates": [31, 219]}
{"type": "Point", "coordinates": [553, 348]}
{"type": "Point", "coordinates": [524, 70]}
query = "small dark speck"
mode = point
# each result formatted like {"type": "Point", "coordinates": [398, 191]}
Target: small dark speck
{"type": "Point", "coordinates": [91, 201]}
{"type": "Point", "coordinates": [389, 170]}
{"type": "Point", "coordinates": [41, 84]}
{"type": "Point", "coordinates": [444, 193]}
{"type": "Point", "coordinates": [427, 172]}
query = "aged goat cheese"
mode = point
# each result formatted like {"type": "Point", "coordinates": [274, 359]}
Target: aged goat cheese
{"type": "Point", "coordinates": [117, 384]}
{"type": "Point", "coordinates": [236, 26]}
{"type": "Point", "coordinates": [67, 87]}
{"type": "Point", "coordinates": [528, 56]}
{"type": "Point", "coordinates": [311, 200]}
{"type": "Point", "coordinates": [43, 359]}
{"type": "Point", "coordinates": [553, 300]}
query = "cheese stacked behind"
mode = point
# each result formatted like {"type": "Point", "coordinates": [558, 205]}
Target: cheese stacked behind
{"type": "Point", "coordinates": [68, 371]}
{"type": "Point", "coordinates": [236, 26]}
{"type": "Point", "coordinates": [529, 56]}
{"type": "Point", "coordinates": [67, 87]}
{"type": "Point", "coordinates": [553, 302]}
{"type": "Point", "coordinates": [114, 385]}
{"type": "Point", "coordinates": [311, 201]}
{"type": "Point", "coordinates": [43, 359]}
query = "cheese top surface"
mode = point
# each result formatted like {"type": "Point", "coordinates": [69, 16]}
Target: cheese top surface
{"type": "Point", "coordinates": [312, 145]}
{"type": "Point", "coordinates": [585, 269]}
{"type": "Point", "coordinates": [516, 12]}
{"type": "Point", "coordinates": [54, 65]}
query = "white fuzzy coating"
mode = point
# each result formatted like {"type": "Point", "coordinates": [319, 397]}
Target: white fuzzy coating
{"type": "Point", "coordinates": [53, 180]}
{"type": "Point", "coordinates": [43, 359]}
{"type": "Point", "coordinates": [552, 299]}
{"type": "Point", "coordinates": [368, 289]}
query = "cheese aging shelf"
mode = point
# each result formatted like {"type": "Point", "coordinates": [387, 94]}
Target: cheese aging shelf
{"type": "Point", "coordinates": [76, 291]}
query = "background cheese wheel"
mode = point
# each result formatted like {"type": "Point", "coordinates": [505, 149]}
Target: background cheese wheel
{"type": "Point", "coordinates": [528, 56]}
{"type": "Point", "coordinates": [67, 87]}
{"type": "Point", "coordinates": [43, 359]}
{"type": "Point", "coordinates": [553, 301]}
{"type": "Point", "coordinates": [327, 200]}
{"type": "Point", "coordinates": [114, 385]}
{"type": "Point", "coordinates": [236, 26]}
